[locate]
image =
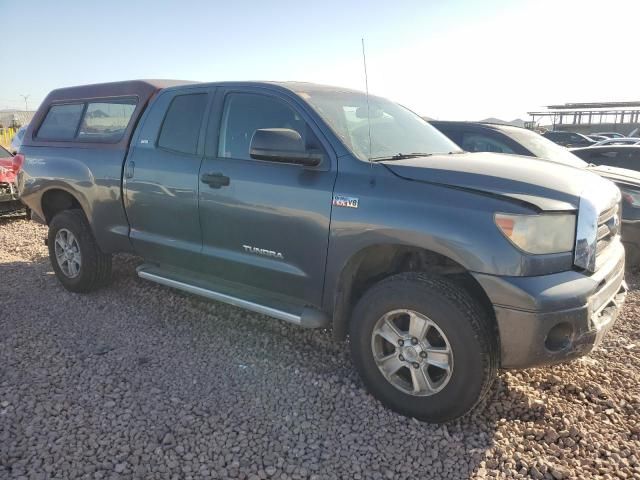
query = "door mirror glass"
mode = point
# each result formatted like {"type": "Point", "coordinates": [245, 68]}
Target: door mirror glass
{"type": "Point", "coordinates": [282, 145]}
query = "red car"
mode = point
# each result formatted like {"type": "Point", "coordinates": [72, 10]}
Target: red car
{"type": "Point", "coordinates": [9, 166]}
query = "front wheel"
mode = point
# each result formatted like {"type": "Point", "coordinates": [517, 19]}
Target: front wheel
{"type": "Point", "coordinates": [423, 346]}
{"type": "Point", "coordinates": [77, 260]}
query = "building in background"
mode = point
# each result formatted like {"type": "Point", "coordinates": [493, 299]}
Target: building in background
{"type": "Point", "coordinates": [586, 118]}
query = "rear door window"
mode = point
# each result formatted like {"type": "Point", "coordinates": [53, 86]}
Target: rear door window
{"type": "Point", "coordinates": [181, 127]}
{"type": "Point", "coordinates": [61, 122]}
{"type": "Point", "coordinates": [607, 157]}
{"type": "Point", "coordinates": [106, 121]}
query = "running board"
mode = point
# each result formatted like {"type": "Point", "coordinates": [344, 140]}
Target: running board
{"type": "Point", "coordinates": [308, 317]}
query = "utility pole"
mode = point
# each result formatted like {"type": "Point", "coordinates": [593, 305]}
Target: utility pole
{"type": "Point", "coordinates": [26, 105]}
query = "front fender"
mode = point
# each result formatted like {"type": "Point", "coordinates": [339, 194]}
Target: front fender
{"type": "Point", "coordinates": [454, 223]}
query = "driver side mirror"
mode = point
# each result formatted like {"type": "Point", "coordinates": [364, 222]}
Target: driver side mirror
{"type": "Point", "coordinates": [282, 145]}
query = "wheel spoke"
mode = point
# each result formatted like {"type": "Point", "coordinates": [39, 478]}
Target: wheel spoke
{"type": "Point", "coordinates": [67, 252]}
{"type": "Point", "coordinates": [438, 357]}
{"type": "Point", "coordinates": [421, 381]}
{"type": "Point", "coordinates": [389, 332]}
{"type": "Point", "coordinates": [427, 357]}
{"type": "Point", "coordinates": [418, 326]}
{"type": "Point", "coordinates": [390, 364]}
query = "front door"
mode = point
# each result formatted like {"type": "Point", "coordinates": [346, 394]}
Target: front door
{"type": "Point", "coordinates": [161, 179]}
{"type": "Point", "coordinates": [264, 224]}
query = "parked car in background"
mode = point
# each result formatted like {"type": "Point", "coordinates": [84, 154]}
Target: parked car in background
{"type": "Point", "coordinates": [9, 166]}
{"type": "Point", "coordinates": [610, 134]}
{"type": "Point", "coordinates": [16, 141]}
{"type": "Point", "coordinates": [484, 137]}
{"type": "Point", "coordinates": [618, 141]}
{"type": "Point", "coordinates": [568, 139]}
{"type": "Point", "coordinates": [327, 207]}
{"type": "Point", "coordinates": [621, 156]}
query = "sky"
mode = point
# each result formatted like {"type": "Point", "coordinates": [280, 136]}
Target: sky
{"type": "Point", "coordinates": [458, 60]}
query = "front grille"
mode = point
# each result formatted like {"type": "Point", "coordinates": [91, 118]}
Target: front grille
{"type": "Point", "coordinates": [608, 231]}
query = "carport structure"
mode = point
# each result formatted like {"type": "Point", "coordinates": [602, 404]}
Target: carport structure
{"type": "Point", "coordinates": [622, 117]}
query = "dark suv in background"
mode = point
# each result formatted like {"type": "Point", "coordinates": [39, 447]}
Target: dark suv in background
{"type": "Point", "coordinates": [622, 156]}
{"type": "Point", "coordinates": [489, 137]}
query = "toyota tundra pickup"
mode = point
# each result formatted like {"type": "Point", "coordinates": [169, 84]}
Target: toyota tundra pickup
{"type": "Point", "coordinates": [329, 208]}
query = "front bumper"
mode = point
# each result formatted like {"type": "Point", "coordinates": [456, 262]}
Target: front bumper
{"type": "Point", "coordinates": [554, 318]}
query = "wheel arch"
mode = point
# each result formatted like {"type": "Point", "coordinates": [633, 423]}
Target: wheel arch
{"type": "Point", "coordinates": [373, 263]}
{"type": "Point", "coordinates": [57, 199]}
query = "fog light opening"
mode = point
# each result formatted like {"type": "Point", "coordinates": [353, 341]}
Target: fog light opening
{"type": "Point", "coordinates": [559, 337]}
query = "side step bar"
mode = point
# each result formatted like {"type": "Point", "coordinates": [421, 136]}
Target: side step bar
{"type": "Point", "coordinates": [308, 318]}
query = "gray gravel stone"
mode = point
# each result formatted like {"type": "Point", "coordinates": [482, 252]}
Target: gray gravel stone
{"type": "Point", "coordinates": [139, 381]}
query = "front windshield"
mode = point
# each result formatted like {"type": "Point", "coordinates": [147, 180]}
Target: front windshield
{"type": "Point", "coordinates": [395, 130]}
{"type": "Point", "coordinates": [544, 148]}
{"type": "Point", "coordinates": [4, 153]}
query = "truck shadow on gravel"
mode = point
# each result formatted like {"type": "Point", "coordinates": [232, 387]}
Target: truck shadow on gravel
{"type": "Point", "coordinates": [179, 364]}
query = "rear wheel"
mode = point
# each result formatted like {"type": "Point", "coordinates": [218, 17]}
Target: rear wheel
{"type": "Point", "coordinates": [423, 346]}
{"type": "Point", "coordinates": [77, 260]}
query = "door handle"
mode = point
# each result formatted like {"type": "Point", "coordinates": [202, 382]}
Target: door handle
{"type": "Point", "coordinates": [131, 167]}
{"type": "Point", "coordinates": [215, 179]}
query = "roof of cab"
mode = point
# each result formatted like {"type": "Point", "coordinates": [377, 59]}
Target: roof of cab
{"type": "Point", "coordinates": [144, 89]}
{"type": "Point", "coordinates": [293, 86]}
{"type": "Point", "coordinates": [141, 88]}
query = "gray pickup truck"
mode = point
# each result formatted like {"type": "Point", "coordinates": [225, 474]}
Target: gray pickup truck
{"type": "Point", "coordinates": [324, 207]}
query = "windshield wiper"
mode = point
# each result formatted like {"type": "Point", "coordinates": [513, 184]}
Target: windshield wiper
{"type": "Point", "coordinates": [404, 156]}
{"type": "Point", "coordinates": [400, 156]}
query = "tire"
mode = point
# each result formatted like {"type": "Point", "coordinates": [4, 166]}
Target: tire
{"type": "Point", "coordinates": [94, 267]}
{"type": "Point", "coordinates": [458, 378]}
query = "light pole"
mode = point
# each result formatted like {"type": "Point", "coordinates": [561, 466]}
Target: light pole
{"type": "Point", "coordinates": [26, 105]}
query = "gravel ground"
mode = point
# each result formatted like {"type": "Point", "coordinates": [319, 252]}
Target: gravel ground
{"type": "Point", "coordinates": [139, 381]}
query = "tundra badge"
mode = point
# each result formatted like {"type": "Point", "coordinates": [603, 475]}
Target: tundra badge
{"type": "Point", "coordinates": [263, 251]}
{"type": "Point", "coordinates": [345, 201]}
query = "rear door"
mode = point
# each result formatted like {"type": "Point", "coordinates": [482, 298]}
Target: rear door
{"type": "Point", "coordinates": [264, 224]}
{"type": "Point", "coordinates": [161, 178]}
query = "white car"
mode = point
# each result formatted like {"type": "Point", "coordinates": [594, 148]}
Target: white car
{"type": "Point", "coordinates": [16, 141]}
{"type": "Point", "coordinates": [619, 141]}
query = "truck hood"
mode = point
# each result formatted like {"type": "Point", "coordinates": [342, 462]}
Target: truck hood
{"type": "Point", "coordinates": [545, 185]}
{"type": "Point", "coordinates": [618, 175]}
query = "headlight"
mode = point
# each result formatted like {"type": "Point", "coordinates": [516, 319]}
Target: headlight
{"type": "Point", "coordinates": [631, 197]}
{"type": "Point", "coordinates": [538, 234]}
